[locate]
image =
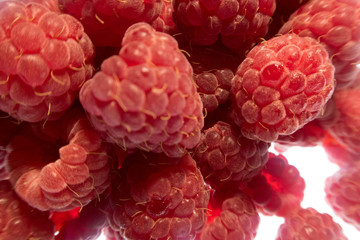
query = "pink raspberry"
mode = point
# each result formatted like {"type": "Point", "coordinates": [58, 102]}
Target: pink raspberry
{"type": "Point", "coordinates": [60, 165]}
{"type": "Point", "coordinates": [18, 220]}
{"type": "Point", "coordinates": [239, 24]}
{"type": "Point", "coordinates": [156, 197]}
{"type": "Point", "coordinates": [342, 193]}
{"type": "Point", "coordinates": [234, 217]}
{"type": "Point", "coordinates": [144, 98]}
{"type": "Point", "coordinates": [308, 224]}
{"type": "Point", "coordinates": [44, 59]}
{"type": "Point", "coordinates": [278, 189]}
{"type": "Point", "coordinates": [346, 129]}
{"type": "Point", "coordinates": [282, 84]}
{"type": "Point", "coordinates": [106, 21]}
{"type": "Point", "coordinates": [336, 24]}
{"type": "Point", "coordinates": [224, 155]}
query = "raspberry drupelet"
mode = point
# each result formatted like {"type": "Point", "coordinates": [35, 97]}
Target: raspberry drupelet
{"type": "Point", "coordinates": [45, 57]}
{"type": "Point", "coordinates": [156, 197]}
{"type": "Point", "coordinates": [144, 98]}
{"type": "Point", "coordinates": [282, 84]}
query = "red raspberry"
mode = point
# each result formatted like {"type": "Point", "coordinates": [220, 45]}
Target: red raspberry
{"type": "Point", "coordinates": [343, 193]}
{"type": "Point", "coordinates": [19, 221]}
{"type": "Point", "coordinates": [281, 85]}
{"type": "Point", "coordinates": [214, 87]}
{"type": "Point", "coordinates": [279, 189]}
{"type": "Point", "coordinates": [338, 153]}
{"type": "Point", "coordinates": [239, 24]}
{"type": "Point", "coordinates": [44, 59]}
{"type": "Point", "coordinates": [107, 20]}
{"type": "Point", "coordinates": [59, 166]}
{"type": "Point", "coordinates": [308, 224]}
{"type": "Point", "coordinates": [165, 22]}
{"type": "Point", "coordinates": [157, 197]}
{"type": "Point", "coordinates": [336, 24]}
{"type": "Point", "coordinates": [310, 135]}
{"type": "Point", "coordinates": [144, 97]}
{"type": "Point", "coordinates": [346, 129]}
{"type": "Point", "coordinates": [236, 218]}
{"type": "Point", "coordinates": [224, 155]}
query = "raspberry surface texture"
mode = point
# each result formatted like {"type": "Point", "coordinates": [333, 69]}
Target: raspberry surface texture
{"type": "Point", "coordinates": [158, 197]}
{"type": "Point", "coordinates": [45, 57]}
{"type": "Point", "coordinates": [224, 155]}
{"type": "Point", "coordinates": [147, 99]}
{"type": "Point", "coordinates": [282, 84]}
{"type": "Point", "coordinates": [309, 224]}
{"type": "Point", "coordinates": [19, 221]}
{"type": "Point", "coordinates": [342, 193]}
{"type": "Point", "coordinates": [238, 24]}
{"type": "Point", "coordinates": [278, 189]}
{"type": "Point", "coordinates": [107, 20]}
{"type": "Point", "coordinates": [336, 25]}
{"type": "Point", "coordinates": [59, 166]}
{"type": "Point", "coordinates": [233, 217]}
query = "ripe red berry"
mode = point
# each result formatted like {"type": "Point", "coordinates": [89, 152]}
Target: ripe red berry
{"type": "Point", "coordinates": [45, 57]}
{"type": "Point", "coordinates": [336, 25]}
{"type": "Point", "coordinates": [158, 197]}
{"type": "Point", "coordinates": [281, 85]}
{"type": "Point", "coordinates": [144, 98]}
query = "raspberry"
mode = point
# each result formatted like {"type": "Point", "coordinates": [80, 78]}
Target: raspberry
{"type": "Point", "coordinates": [214, 87]}
{"type": "Point", "coordinates": [224, 155]}
{"type": "Point", "coordinates": [52, 5]}
{"type": "Point", "coordinates": [346, 129]}
{"type": "Point", "coordinates": [156, 197]}
{"type": "Point", "coordinates": [279, 189]}
{"type": "Point", "coordinates": [310, 135]}
{"type": "Point", "coordinates": [239, 24]}
{"type": "Point", "coordinates": [336, 25]}
{"type": "Point", "coordinates": [59, 166]}
{"type": "Point", "coordinates": [165, 22]}
{"type": "Point", "coordinates": [144, 97]}
{"type": "Point", "coordinates": [281, 85]}
{"type": "Point", "coordinates": [342, 193]}
{"type": "Point", "coordinates": [236, 218]}
{"type": "Point", "coordinates": [107, 20]}
{"type": "Point", "coordinates": [308, 224]}
{"type": "Point", "coordinates": [44, 59]}
{"type": "Point", "coordinates": [19, 221]}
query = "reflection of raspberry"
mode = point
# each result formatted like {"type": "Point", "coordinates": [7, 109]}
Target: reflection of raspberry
{"type": "Point", "coordinates": [19, 221]}
{"type": "Point", "coordinates": [157, 197]}
{"type": "Point", "coordinates": [224, 155]}
{"type": "Point", "coordinates": [282, 84]}
{"type": "Point", "coordinates": [235, 217]}
{"type": "Point", "coordinates": [308, 224]}
{"type": "Point", "coordinates": [214, 87]}
{"type": "Point", "coordinates": [144, 97]}
{"type": "Point", "coordinates": [336, 25]}
{"type": "Point", "coordinates": [239, 24]}
{"type": "Point", "coordinates": [343, 193]}
{"type": "Point", "coordinates": [107, 20]}
{"type": "Point", "coordinates": [279, 189]}
{"type": "Point", "coordinates": [58, 166]}
{"type": "Point", "coordinates": [44, 59]}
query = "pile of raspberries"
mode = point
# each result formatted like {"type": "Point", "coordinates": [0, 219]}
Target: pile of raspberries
{"type": "Point", "coordinates": [152, 120]}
